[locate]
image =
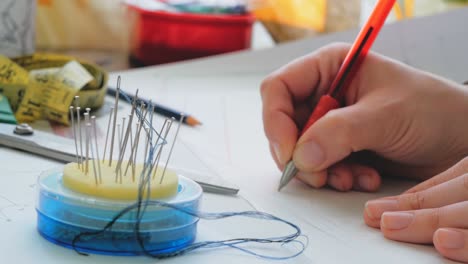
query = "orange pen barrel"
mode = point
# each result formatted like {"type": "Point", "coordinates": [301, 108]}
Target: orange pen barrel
{"type": "Point", "coordinates": [361, 46]}
{"type": "Point", "coordinates": [326, 104]}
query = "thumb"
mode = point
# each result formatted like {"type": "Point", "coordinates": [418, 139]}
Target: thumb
{"type": "Point", "coordinates": [336, 135]}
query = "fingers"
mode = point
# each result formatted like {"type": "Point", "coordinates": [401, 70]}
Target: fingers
{"type": "Point", "coordinates": [279, 126]}
{"type": "Point", "coordinates": [437, 214]}
{"type": "Point", "coordinates": [344, 176]}
{"type": "Point", "coordinates": [455, 171]}
{"type": "Point", "coordinates": [294, 83]}
{"type": "Point", "coordinates": [274, 155]}
{"type": "Point", "coordinates": [452, 243]}
{"type": "Point", "coordinates": [302, 76]}
{"type": "Point", "coordinates": [419, 226]}
{"type": "Point", "coordinates": [452, 191]}
{"type": "Point", "coordinates": [366, 179]}
{"type": "Point", "coordinates": [446, 227]}
{"type": "Point", "coordinates": [340, 177]}
{"type": "Point", "coordinates": [315, 179]}
{"type": "Point", "coordinates": [336, 135]}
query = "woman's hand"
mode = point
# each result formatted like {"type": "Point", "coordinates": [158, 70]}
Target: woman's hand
{"type": "Point", "coordinates": [435, 211]}
{"type": "Point", "coordinates": [397, 120]}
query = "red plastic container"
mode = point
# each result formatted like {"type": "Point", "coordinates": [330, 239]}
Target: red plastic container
{"type": "Point", "coordinates": [160, 37]}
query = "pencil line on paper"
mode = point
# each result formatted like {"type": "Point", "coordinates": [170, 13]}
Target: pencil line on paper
{"type": "Point", "coordinates": [198, 157]}
{"type": "Point", "coordinates": [11, 204]}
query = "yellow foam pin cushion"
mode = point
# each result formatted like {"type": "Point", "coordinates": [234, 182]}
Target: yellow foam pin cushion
{"type": "Point", "coordinates": [77, 180]}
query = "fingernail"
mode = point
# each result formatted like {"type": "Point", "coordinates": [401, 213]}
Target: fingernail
{"type": "Point", "coordinates": [339, 183]}
{"type": "Point", "coordinates": [365, 182]}
{"type": "Point", "coordinates": [376, 208]}
{"type": "Point", "coordinates": [335, 182]}
{"type": "Point", "coordinates": [396, 220]}
{"type": "Point", "coordinates": [277, 149]}
{"type": "Point", "coordinates": [450, 239]}
{"type": "Point", "coordinates": [309, 155]}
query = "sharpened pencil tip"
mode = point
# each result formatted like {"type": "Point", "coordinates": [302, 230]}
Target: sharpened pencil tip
{"type": "Point", "coordinates": [191, 121]}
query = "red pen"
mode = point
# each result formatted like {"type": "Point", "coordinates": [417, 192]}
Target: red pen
{"type": "Point", "coordinates": [345, 75]}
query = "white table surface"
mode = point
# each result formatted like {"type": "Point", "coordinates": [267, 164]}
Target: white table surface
{"type": "Point", "coordinates": [224, 93]}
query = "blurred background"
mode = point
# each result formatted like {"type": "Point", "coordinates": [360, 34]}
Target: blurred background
{"type": "Point", "coordinates": [120, 34]}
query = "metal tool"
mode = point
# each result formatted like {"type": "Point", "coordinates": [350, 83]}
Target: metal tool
{"type": "Point", "coordinates": [23, 137]}
{"type": "Point", "coordinates": [23, 129]}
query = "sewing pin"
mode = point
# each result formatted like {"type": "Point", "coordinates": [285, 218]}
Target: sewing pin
{"type": "Point", "coordinates": [131, 135]}
{"type": "Point", "coordinates": [78, 118]}
{"type": "Point", "coordinates": [124, 144]}
{"type": "Point", "coordinates": [72, 115]}
{"type": "Point", "coordinates": [119, 137]}
{"type": "Point", "coordinates": [89, 139]}
{"type": "Point", "coordinates": [159, 136]}
{"type": "Point", "coordinates": [172, 147]}
{"type": "Point", "coordinates": [134, 149]}
{"type": "Point", "coordinates": [158, 157]}
{"type": "Point", "coordinates": [86, 115]}
{"type": "Point", "coordinates": [149, 133]}
{"type": "Point", "coordinates": [134, 153]}
{"type": "Point", "coordinates": [116, 106]}
{"type": "Point", "coordinates": [93, 123]}
{"type": "Point", "coordinates": [146, 144]}
{"type": "Point", "coordinates": [107, 132]}
{"type": "Point", "coordinates": [121, 134]}
{"type": "Point", "coordinates": [118, 168]}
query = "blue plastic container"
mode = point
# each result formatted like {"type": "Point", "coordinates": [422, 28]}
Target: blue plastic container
{"type": "Point", "coordinates": [63, 214]}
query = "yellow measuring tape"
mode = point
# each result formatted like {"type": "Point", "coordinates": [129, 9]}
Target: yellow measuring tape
{"type": "Point", "coordinates": [43, 86]}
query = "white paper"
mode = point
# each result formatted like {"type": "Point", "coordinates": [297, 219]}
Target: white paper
{"type": "Point", "coordinates": [224, 94]}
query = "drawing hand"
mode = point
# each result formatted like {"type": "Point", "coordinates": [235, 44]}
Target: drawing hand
{"type": "Point", "coordinates": [435, 211]}
{"type": "Point", "coordinates": [397, 120]}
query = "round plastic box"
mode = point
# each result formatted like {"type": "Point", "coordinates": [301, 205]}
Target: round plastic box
{"type": "Point", "coordinates": [64, 214]}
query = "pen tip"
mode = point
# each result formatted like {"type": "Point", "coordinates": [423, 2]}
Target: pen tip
{"type": "Point", "coordinates": [191, 121]}
{"type": "Point", "coordinates": [289, 172]}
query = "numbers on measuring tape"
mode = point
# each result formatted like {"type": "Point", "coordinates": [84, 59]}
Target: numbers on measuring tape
{"type": "Point", "coordinates": [43, 86]}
